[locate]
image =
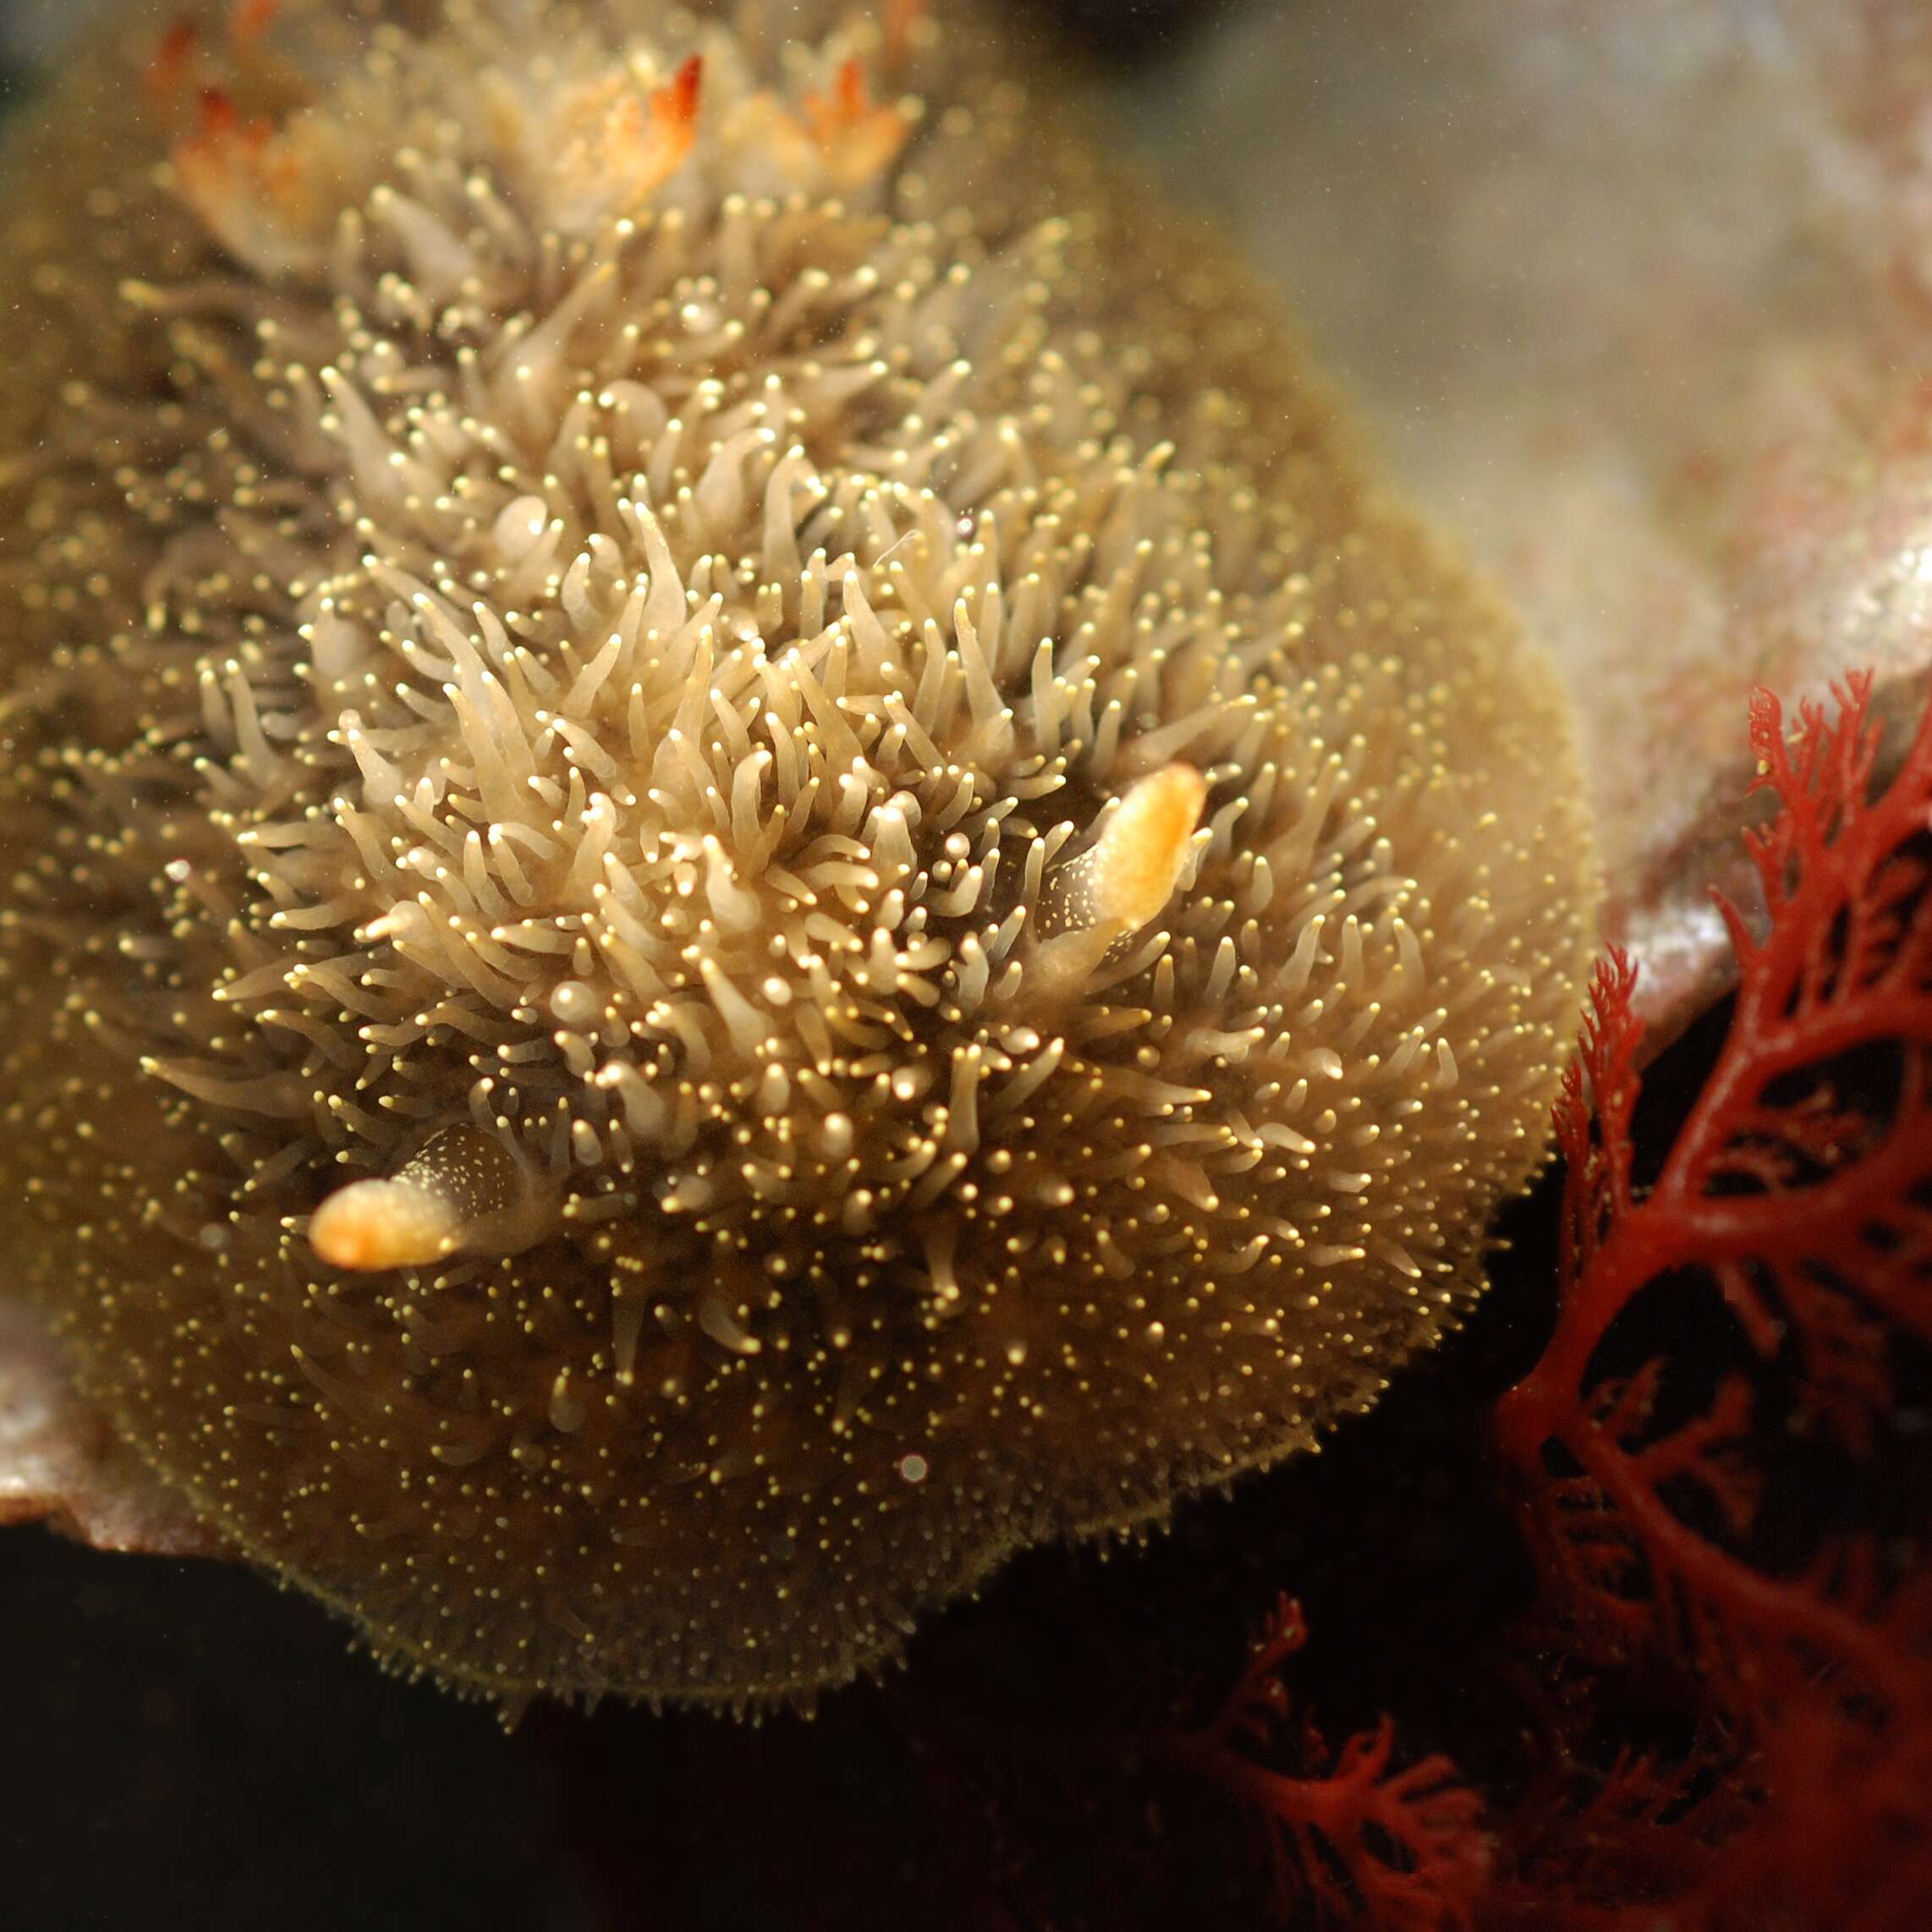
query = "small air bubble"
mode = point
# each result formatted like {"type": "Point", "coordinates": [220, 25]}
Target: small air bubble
{"type": "Point", "coordinates": [573, 1002]}
{"type": "Point", "coordinates": [519, 525]}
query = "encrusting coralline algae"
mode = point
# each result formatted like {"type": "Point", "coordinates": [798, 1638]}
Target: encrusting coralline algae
{"type": "Point", "coordinates": [741, 868]}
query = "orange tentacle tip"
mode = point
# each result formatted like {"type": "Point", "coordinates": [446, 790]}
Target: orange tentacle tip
{"type": "Point", "coordinates": [169, 65]}
{"type": "Point", "coordinates": [830, 115]}
{"type": "Point", "coordinates": [252, 186]}
{"type": "Point", "coordinates": [855, 139]}
{"type": "Point", "coordinates": [676, 104]}
{"type": "Point", "coordinates": [220, 134]}
{"type": "Point", "coordinates": [250, 19]}
{"type": "Point", "coordinates": [621, 148]}
{"type": "Point", "coordinates": [674, 117]}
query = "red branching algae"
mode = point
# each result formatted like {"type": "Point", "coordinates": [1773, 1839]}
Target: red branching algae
{"type": "Point", "coordinates": [1671, 1523]}
{"type": "Point", "coordinates": [1708, 1705]}
{"type": "Point", "coordinates": [1347, 1834]}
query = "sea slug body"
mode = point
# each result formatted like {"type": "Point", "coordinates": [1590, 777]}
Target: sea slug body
{"type": "Point", "coordinates": [740, 869]}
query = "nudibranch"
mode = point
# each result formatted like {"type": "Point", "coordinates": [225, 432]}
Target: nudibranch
{"type": "Point", "coordinates": [741, 868]}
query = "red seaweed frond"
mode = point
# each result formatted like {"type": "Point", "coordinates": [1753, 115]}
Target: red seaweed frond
{"type": "Point", "coordinates": [1351, 1835]}
{"type": "Point", "coordinates": [1592, 1114]}
{"type": "Point", "coordinates": [1611, 1847]}
{"type": "Point", "coordinates": [1822, 785]}
{"type": "Point", "coordinates": [1806, 1210]}
{"type": "Point", "coordinates": [1796, 1199]}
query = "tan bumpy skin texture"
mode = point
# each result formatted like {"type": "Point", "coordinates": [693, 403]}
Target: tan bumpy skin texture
{"type": "Point", "coordinates": [739, 868]}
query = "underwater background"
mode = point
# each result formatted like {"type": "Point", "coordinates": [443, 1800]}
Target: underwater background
{"type": "Point", "coordinates": [182, 1745]}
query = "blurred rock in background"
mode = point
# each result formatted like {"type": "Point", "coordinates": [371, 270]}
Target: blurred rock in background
{"type": "Point", "coordinates": [1638, 303]}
